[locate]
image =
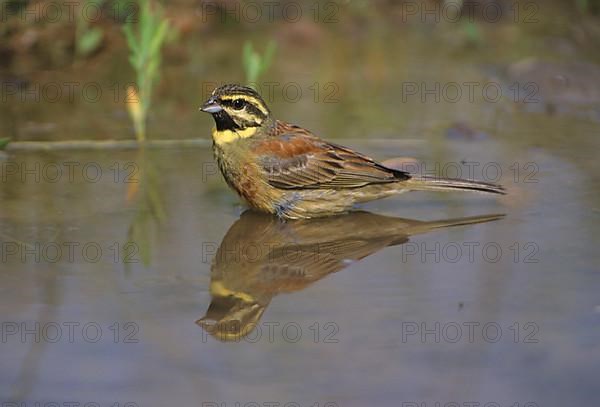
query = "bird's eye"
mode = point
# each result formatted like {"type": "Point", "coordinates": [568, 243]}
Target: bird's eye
{"type": "Point", "coordinates": [238, 104]}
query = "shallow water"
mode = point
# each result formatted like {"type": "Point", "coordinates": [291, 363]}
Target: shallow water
{"type": "Point", "coordinates": [112, 288]}
{"type": "Point", "coordinates": [352, 333]}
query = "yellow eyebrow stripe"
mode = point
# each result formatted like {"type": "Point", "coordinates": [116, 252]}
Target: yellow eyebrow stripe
{"type": "Point", "coordinates": [217, 288]}
{"type": "Point", "coordinates": [227, 136]}
{"type": "Point", "coordinates": [249, 99]}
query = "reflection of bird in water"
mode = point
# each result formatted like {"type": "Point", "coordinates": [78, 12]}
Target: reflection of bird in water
{"type": "Point", "coordinates": [260, 257]}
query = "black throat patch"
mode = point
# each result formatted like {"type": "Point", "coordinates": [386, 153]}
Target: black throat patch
{"type": "Point", "coordinates": [224, 122]}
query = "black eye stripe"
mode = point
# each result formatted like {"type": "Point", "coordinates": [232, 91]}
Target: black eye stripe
{"type": "Point", "coordinates": [250, 107]}
{"type": "Point", "coordinates": [255, 111]}
{"type": "Point", "coordinates": [232, 102]}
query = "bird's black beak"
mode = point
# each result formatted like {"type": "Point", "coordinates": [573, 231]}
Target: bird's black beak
{"type": "Point", "coordinates": [211, 106]}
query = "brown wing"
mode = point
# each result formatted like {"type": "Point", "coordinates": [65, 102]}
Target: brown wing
{"type": "Point", "coordinates": [293, 267]}
{"type": "Point", "coordinates": [293, 158]}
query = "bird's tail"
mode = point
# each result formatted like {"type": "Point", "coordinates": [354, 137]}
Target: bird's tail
{"type": "Point", "coordinates": [432, 183]}
{"type": "Point", "coordinates": [418, 227]}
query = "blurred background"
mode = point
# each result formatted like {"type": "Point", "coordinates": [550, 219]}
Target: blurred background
{"type": "Point", "coordinates": [102, 148]}
{"type": "Point", "coordinates": [66, 68]}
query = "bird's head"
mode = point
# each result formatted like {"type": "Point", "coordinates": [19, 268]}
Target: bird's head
{"type": "Point", "coordinates": [236, 107]}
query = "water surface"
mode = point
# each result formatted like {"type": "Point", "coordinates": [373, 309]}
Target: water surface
{"type": "Point", "coordinates": [122, 246]}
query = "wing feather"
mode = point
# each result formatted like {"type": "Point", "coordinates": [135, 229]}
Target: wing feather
{"type": "Point", "coordinates": [293, 158]}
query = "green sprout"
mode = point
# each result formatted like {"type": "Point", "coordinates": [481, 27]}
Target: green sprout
{"type": "Point", "coordinates": [3, 143]}
{"type": "Point", "coordinates": [145, 57]}
{"type": "Point", "coordinates": [583, 5]}
{"type": "Point", "coordinates": [472, 32]}
{"type": "Point", "coordinates": [588, 6]}
{"type": "Point", "coordinates": [256, 64]}
{"type": "Point", "coordinates": [87, 38]}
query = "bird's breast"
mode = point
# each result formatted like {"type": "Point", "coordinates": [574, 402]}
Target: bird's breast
{"type": "Point", "coordinates": [243, 175]}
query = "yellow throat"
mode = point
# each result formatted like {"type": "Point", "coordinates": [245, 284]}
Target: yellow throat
{"type": "Point", "coordinates": [227, 136]}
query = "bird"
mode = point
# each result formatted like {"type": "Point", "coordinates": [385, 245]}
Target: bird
{"type": "Point", "coordinates": [260, 258]}
{"type": "Point", "coordinates": [285, 170]}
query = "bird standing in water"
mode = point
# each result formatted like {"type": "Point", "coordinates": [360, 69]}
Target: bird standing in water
{"type": "Point", "coordinates": [283, 169]}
